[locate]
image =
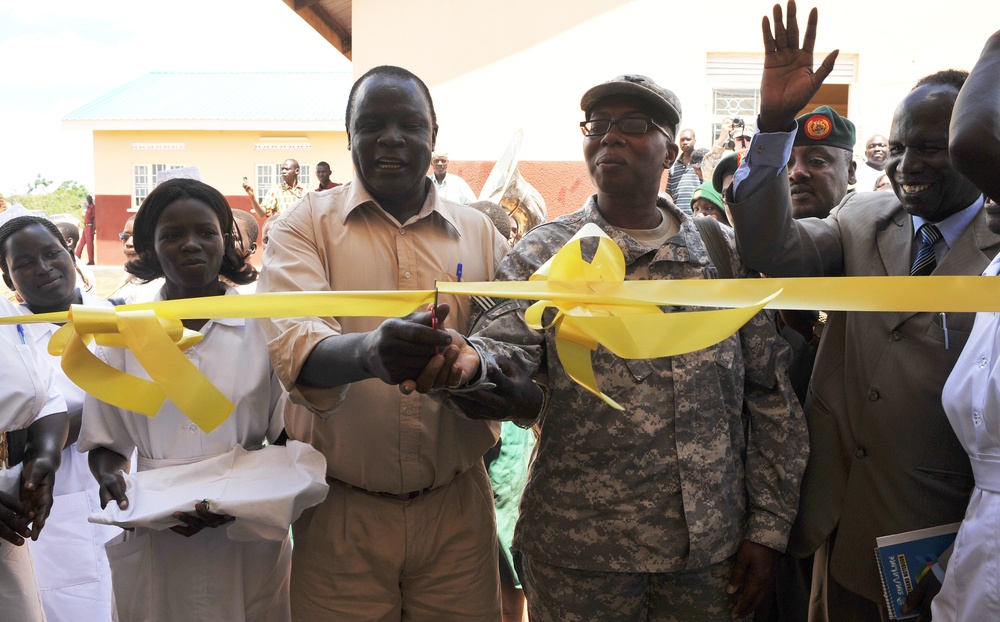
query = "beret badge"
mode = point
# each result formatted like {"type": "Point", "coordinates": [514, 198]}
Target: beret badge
{"type": "Point", "coordinates": [818, 127]}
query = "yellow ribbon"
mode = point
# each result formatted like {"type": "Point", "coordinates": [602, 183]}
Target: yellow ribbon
{"type": "Point", "coordinates": [154, 333]}
{"type": "Point", "coordinates": [594, 307]}
{"type": "Point", "coordinates": [635, 329]}
{"type": "Point", "coordinates": [158, 344]}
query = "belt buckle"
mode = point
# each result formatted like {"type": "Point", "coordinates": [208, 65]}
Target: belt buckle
{"type": "Point", "coordinates": [3, 450]}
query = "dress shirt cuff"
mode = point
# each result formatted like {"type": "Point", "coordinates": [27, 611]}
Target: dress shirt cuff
{"type": "Point", "coordinates": [938, 572]}
{"type": "Point", "coordinates": [480, 381]}
{"type": "Point", "coordinates": [767, 156]}
{"type": "Point", "coordinates": [767, 529]}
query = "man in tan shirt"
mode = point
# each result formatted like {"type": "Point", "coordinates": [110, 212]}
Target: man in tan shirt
{"type": "Point", "coordinates": [407, 531]}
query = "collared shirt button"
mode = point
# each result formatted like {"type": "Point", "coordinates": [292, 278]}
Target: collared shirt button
{"type": "Point", "coordinates": [874, 395]}
{"type": "Point", "coordinates": [402, 231]}
{"type": "Point", "coordinates": [977, 418]}
{"type": "Point", "coordinates": [860, 452]}
{"type": "Point", "coordinates": [406, 274]}
{"type": "Point", "coordinates": [896, 334]}
{"type": "Point", "coordinates": [983, 363]}
{"type": "Point", "coordinates": [191, 427]}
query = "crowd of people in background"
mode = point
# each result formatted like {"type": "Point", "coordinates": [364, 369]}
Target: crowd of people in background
{"type": "Point", "coordinates": [469, 474]}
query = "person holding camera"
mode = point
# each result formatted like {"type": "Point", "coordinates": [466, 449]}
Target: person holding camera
{"type": "Point", "coordinates": [722, 147]}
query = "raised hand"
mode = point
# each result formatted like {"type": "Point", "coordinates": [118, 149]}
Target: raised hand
{"type": "Point", "coordinates": [789, 82]}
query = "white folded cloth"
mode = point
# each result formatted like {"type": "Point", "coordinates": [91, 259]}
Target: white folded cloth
{"type": "Point", "coordinates": [265, 490]}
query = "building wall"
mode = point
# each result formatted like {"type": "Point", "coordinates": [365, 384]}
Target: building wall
{"type": "Point", "coordinates": [223, 157]}
{"type": "Point", "coordinates": [495, 67]}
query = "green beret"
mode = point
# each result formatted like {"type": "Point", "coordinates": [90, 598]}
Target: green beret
{"type": "Point", "coordinates": [824, 126]}
{"type": "Point", "coordinates": [726, 166]}
{"type": "Point", "coordinates": [707, 191]}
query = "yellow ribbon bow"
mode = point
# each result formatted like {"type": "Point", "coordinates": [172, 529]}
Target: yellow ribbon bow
{"type": "Point", "coordinates": [595, 308]}
{"type": "Point", "coordinates": [158, 344]}
{"type": "Point", "coordinates": [154, 333]}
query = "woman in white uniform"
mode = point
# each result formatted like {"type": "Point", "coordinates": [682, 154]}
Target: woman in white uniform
{"type": "Point", "coordinates": [33, 426]}
{"type": "Point", "coordinates": [70, 564]}
{"type": "Point", "coordinates": [183, 231]}
{"type": "Point", "coordinates": [972, 394]}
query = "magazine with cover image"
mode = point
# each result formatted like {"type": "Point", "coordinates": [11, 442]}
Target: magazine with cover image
{"type": "Point", "coordinates": [904, 559]}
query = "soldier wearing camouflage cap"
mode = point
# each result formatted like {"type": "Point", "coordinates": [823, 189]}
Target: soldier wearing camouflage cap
{"type": "Point", "coordinates": [666, 510]}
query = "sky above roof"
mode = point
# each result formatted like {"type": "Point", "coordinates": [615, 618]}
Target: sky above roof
{"type": "Point", "coordinates": [221, 96]}
{"type": "Point", "coordinates": [61, 54]}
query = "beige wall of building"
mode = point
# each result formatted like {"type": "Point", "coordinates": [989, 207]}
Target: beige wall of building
{"type": "Point", "coordinates": [224, 157]}
{"type": "Point", "coordinates": [494, 67]}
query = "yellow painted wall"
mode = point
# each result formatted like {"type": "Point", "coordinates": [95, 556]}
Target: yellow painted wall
{"type": "Point", "coordinates": [224, 157]}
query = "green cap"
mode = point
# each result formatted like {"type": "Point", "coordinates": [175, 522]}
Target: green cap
{"type": "Point", "coordinates": [707, 191]}
{"type": "Point", "coordinates": [824, 126]}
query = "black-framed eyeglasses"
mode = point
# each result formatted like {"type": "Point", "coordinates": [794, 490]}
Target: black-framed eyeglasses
{"type": "Point", "coordinates": [124, 236]}
{"type": "Point", "coordinates": [634, 126]}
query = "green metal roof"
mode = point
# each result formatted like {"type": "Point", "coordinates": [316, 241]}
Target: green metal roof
{"type": "Point", "coordinates": [251, 96]}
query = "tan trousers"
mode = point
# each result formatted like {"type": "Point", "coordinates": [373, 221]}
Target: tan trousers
{"type": "Point", "coordinates": [362, 557]}
{"type": "Point", "coordinates": [19, 596]}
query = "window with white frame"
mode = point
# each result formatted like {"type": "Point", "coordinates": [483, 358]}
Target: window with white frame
{"type": "Point", "coordinates": [266, 174]}
{"type": "Point", "coordinates": [734, 102]}
{"type": "Point", "coordinates": [144, 179]}
{"type": "Point", "coordinates": [735, 80]}
{"type": "Point", "coordinates": [270, 174]}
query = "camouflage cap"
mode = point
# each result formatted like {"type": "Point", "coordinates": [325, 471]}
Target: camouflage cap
{"type": "Point", "coordinates": [663, 100]}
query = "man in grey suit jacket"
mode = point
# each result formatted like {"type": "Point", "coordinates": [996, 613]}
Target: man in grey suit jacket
{"type": "Point", "coordinates": [883, 458]}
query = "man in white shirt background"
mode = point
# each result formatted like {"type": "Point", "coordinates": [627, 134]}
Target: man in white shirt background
{"type": "Point", "coordinates": [451, 187]}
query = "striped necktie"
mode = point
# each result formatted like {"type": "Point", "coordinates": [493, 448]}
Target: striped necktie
{"type": "Point", "coordinates": [925, 262]}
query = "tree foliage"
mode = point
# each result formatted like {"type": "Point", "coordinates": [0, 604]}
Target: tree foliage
{"type": "Point", "coordinates": [67, 198]}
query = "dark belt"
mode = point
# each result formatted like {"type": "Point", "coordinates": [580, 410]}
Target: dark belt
{"type": "Point", "coordinates": [403, 496]}
{"type": "Point", "coordinates": [12, 446]}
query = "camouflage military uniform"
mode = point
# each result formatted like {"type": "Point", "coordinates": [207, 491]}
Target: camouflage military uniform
{"type": "Point", "coordinates": [709, 450]}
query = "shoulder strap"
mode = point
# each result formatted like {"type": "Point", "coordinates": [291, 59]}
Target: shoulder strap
{"type": "Point", "coordinates": [715, 242]}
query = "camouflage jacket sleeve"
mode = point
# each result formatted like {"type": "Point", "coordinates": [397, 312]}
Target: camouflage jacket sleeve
{"type": "Point", "coordinates": [777, 438]}
{"type": "Point", "coordinates": [500, 330]}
